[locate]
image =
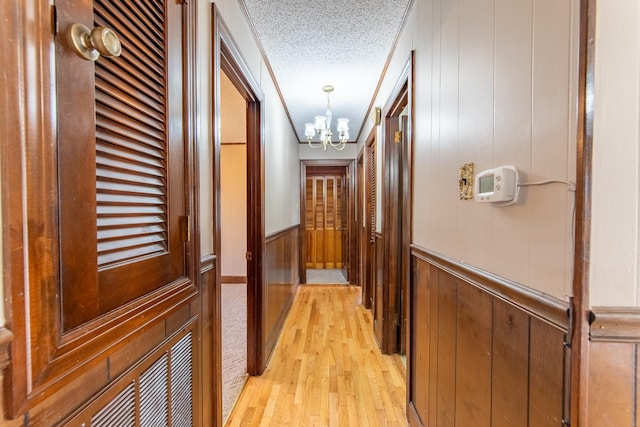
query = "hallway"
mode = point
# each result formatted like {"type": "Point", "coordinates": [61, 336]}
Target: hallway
{"type": "Point", "coordinates": [326, 369]}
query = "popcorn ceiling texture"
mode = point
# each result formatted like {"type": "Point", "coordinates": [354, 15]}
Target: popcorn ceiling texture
{"type": "Point", "coordinates": [310, 44]}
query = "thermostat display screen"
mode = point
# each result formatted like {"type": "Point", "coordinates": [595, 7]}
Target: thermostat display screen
{"type": "Point", "coordinates": [486, 184]}
{"type": "Point", "coordinates": [498, 186]}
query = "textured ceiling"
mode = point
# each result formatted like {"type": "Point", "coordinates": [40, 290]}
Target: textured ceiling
{"type": "Point", "coordinates": [310, 44]}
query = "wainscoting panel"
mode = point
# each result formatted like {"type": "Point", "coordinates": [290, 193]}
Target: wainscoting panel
{"type": "Point", "coordinates": [476, 357]}
{"type": "Point", "coordinates": [281, 267]}
{"type": "Point", "coordinates": [613, 397]}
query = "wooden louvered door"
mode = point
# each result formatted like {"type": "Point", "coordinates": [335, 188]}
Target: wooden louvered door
{"type": "Point", "coordinates": [325, 221]}
{"type": "Point", "coordinates": [126, 279]}
{"type": "Point", "coordinates": [122, 175]}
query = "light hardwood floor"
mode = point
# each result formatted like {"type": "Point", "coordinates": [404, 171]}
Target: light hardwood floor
{"type": "Point", "coordinates": [326, 369]}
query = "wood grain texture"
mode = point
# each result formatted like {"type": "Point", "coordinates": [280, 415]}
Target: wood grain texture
{"type": "Point", "coordinates": [510, 389]}
{"type": "Point", "coordinates": [446, 337]}
{"type": "Point", "coordinates": [545, 374]}
{"type": "Point", "coordinates": [473, 358]}
{"type": "Point", "coordinates": [615, 324]}
{"type": "Point", "coordinates": [326, 369]}
{"type": "Point", "coordinates": [420, 365]}
{"type": "Point", "coordinates": [281, 279]}
{"type": "Point", "coordinates": [477, 359]}
{"type": "Point", "coordinates": [612, 382]}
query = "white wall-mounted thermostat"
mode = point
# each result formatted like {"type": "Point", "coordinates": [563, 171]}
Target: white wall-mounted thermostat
{"type": "Point", "coordinates": [498, 186]}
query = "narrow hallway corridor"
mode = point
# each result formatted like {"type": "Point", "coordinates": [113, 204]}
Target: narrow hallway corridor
{"type": "Point", "coordinates": [326, 370]}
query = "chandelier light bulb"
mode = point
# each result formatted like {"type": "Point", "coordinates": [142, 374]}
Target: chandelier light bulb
{"type": "Point", "coordinates": [309, 130]}
{"type": "Point", "coordinates": [322, 127]}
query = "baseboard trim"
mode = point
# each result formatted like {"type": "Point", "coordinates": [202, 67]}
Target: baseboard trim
{"type": "Point", "coordinates": [233, 279]}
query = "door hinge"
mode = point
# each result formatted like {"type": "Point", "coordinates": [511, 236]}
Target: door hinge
{"type": "Point", "coordinates": [569, 336]}
{"type": "Point", "coordinates": [249, 256]}
{"type": "Point", "coordinates": [186, 227]}
{"type": "Point", "coordinates": [54, 20]}
{"type": "Point", "coordinates": [397, 137]}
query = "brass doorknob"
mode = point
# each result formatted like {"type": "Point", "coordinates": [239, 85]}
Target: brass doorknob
{"type": "Point", "coordinates": [90, 44]}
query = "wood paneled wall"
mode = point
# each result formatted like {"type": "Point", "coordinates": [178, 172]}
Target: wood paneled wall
{"type": "Point", "coordinates": [281, 271]}
{"type": "Point", "coordinates": [613, 367]}
{"type": "Point", "coordinates": [483, 351]}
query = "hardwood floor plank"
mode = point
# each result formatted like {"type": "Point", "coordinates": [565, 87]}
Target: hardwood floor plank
{"type": "Point", "coordinates": [326, 369]}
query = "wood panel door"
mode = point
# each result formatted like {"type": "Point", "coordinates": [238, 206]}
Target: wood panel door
{"type": "Point", "coordinates": [325, 222]}
{"type": "Point", "coordinates": [113, 285]}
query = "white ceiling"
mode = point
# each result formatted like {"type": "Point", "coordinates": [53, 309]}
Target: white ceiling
{"type": "Point", "coordinates": [343, 43]}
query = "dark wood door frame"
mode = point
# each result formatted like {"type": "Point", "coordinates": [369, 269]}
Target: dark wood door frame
{"type": "Point", "coordinates": [358, 222]}
{"type": "Point", "coordinates": [396, 198]}
{"type": "Point", "coordinates": [368, 244]}
{"type": "Point", "coordinates": [348, 165]}
{"type": "Point", "coordinates": [580, 310]}
{"type": "Point", "coordinates": [228, 58]}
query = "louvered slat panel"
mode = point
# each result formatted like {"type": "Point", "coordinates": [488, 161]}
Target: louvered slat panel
{"type": "Point", "coordinates": [135, 19]}
{"type": "Point", "coordinates": [372, 177]}
{"type": "Point", "coordinates": [181, 383]}
{"type": "Point", "coordinates": [308, 215]}
{"type": "Point", "coordinates": [154, 394]}
{"type": "Point", "coordinates": [131, 108]}
{"type": "Point", "coordinates": [120, 124]}
{"type": "Point", "coordinates": [339, 194]}
{"type": "Point", "coordinates": [121, 411]}
{"type": "Point", "coordinates": [148, 61]}
{"type": "Point", "coordinates": [131, 135]}
{"type": "Point", "coordinates": [319, 210]}
{"type": "Point", "coordinates": [139, 99]}
{"type": "Point", "coordinates": [331, 205]}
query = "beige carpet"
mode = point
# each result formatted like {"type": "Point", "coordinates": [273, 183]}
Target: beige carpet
{"type": "Point", "coordinates": [234, 344]}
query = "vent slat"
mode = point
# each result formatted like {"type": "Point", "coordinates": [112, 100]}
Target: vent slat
{"type": "Point", "coordinates": [181, 383]}
{"type": "Point", "coordinates": [118, 187]}
{"type": "Point", "coordinates": [154, 394]}
{"type": "Point", "coordinates": [139, 99]}
{"type": "Point", "coordinates": [105, 174]}
{"type": "Point", "coordinates": [112, 233]}
{"type": "Point", "coordinates": [122, 102]}
{"type": "Point", "coordinates": [129, 199]}
{"type": "Point", "coordinates": [131, 242]}
{"type": "Point", "coordinates": [123, 255]}
{"type": "Point", "coordinates": [124, 126]}
{"type": "Point", "coordinates": [119, 412]}
{"type": "Point", "coordinates": [109, 138]}
{"type": "Point", "coordinates": [111, 221]}
{"type": "Point", "coordinates": [126, 156]}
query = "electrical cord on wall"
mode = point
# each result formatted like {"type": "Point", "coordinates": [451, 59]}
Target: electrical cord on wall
{"type": "Point", "coordinates": [572, 188]}
{"type": "Point", "coordinates": [572, 185]}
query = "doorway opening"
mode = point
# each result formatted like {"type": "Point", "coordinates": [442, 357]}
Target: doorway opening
{"type": "Point", "coordinates": [230, 69]}
{"type": "Point", "coordinates": [233, 216]}
{"type": "Point", "coordinates": [327, 214]}
{"type": "Point", "coordinates": [391, 311]}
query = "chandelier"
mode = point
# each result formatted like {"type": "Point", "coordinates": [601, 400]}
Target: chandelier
{"type": "Point", "coordinates": [322, 127]}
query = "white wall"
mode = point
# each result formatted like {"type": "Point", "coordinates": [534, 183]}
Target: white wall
{"type": "Point", "coordinates": [495, 83]}
{"type": "Point", "coordinates": [281, 157]}
{"type": "Point", "coordinates": [233, 209]}
{"type": "Point", "coordinates": [350, 152]}
{"type": "Point", "coordinates": [233, 180]}
{"type": "Point", "coordinates": [282, 167]}
{"type": "Point", "coordinates": [616, 165]}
